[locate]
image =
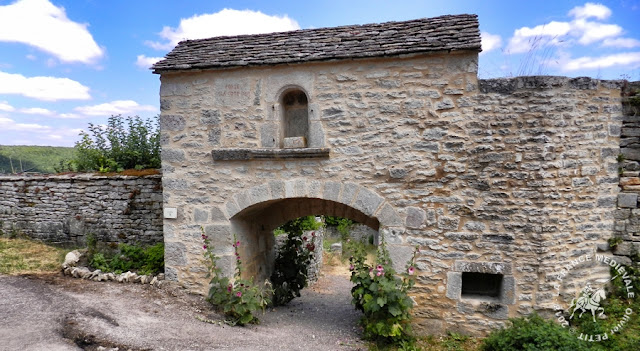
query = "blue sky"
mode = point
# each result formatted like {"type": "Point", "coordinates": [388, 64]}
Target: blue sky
{"type": "Point", "coordinates": [67, 63]}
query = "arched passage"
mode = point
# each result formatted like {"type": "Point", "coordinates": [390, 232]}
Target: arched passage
{"type": "Point", "coordinates": [256, 212]}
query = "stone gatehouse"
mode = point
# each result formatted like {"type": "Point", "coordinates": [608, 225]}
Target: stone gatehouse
{"type": "Point", "coordinates": [499, 182]}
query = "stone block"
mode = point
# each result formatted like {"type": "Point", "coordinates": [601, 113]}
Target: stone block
{"type": "Point", "coordinates": [175, 254]}
{"type": "Point", "coordinates": [415, 217]}
{"type": "Point", "coordinates": [398, 173]}
{"type": "Point", "coordinates": [367, 201]}
{"type": "Point", "coordinates": [628, 200]}
{"type": "Point", "coordinates": [172, 122]}
{"type": "Point", "coordinates": [269, 135]}
{"type": "Point", "coordinates": [259, 194]}
{"type": "Point", "coordinates": [316, 134]}
{"type": "Point", "coordinates": [331, 191]}
{"type": "Point", "coordinates": [454, 285]}
{"type": "Point", "coordinates": [294, 142]}
{"type": "Point", "coordinates": [348, 193]}
{"type": "Point", "coordinates": [232, 208]}
{"type": "Point", "coordinates": [400, 255]}
{"type": "Point", "coordinates": [217, 215]}
{"type": "Point", "coordinates": [277, 189]}
{"type": "Point", "coordinates": [388, 216]}
{"type": "Point", "coordinates": [483, 267]}
{"type": "Point", "coordinates": [200, 215]}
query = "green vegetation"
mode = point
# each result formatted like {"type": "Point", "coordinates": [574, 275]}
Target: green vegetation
{"type": "Point", "coordinates": [144, 260]}
{"type": "Point", "coordinates": [119, 146]}
{"type": "Point", "coordinates": [292, 259]}
{"type": "Point", "coordinates": [533, 333]}
{"type": "Point", "coordinates": [382, 296]}
{"type": "Point", "coordinates": [43, 159]}
{"type": "Point", "coordinates": [239, 298]}
{"type": "Point", "coordinates": [24, 256]}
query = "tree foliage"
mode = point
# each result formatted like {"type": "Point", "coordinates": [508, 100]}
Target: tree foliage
{"type": "Point", "coordinates": [124, 143]}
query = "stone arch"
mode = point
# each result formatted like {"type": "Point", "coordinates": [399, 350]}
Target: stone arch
{"type": "Point", "coordinates": [252, 214]}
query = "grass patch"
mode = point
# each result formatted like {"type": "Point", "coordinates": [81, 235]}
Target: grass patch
{"type": "Point", "coordinates": [22, 256]}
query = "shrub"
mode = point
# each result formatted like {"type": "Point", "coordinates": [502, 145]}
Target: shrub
{"type": "Point", "coordinates": [533, 333]}
{"type": "Point", "coordinates": [118, 147]}
{"type": "Point", "coordinates": [381, 295]}
{"type": "Point", "coordinates": [145, 260]}
{"type": "Point", "coordinates": [292, 260]}
{"type": "Point", "coordinates": [239, 298]}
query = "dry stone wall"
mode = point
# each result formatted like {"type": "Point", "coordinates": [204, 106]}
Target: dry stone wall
{"type": "Point", "coordinates": [64, 209]}
{"type": "Point", "coordinates": [626, 244]}
{"type": "Point", "coordinates": [511, 177]}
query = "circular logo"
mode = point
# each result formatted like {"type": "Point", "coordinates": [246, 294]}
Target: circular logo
{"type": "Point", "coordinates": [589, 304]}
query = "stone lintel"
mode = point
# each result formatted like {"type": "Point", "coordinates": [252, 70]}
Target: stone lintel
{"type": "Point", "coordinates": [239, 154]}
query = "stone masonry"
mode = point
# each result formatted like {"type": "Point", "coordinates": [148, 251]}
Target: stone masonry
{"type": "Point", "coordinates": [63, 209]}
{"type": "Point", "coordinates": [507, 179]}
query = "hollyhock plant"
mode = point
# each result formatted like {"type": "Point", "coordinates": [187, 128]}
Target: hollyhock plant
{"type": "Point", "coordinates": [238, 298]}
{"type": "Point", "coordinates": [382, 295]}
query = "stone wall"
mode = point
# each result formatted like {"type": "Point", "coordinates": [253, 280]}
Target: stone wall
{"type": "Point", "coordinates": [627, 227]}
{"type": "Point", "coordinates": [510, 177]}
{"type": "Point", "coordinates": [64, 209]}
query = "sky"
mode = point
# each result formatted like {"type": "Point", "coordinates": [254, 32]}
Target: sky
{"type": "Point", "coordinates": [67, 63]}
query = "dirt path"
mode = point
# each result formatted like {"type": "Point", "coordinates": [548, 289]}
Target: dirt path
{"type": "Point", "coordinates": [59, 313]}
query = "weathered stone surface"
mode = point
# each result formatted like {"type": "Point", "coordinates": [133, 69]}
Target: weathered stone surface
{"type": "Point", "coordinates": [628, 200]}
{"type": "Point", "coordinates": [63, 209]}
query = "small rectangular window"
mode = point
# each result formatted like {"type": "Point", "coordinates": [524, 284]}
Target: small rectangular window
{"type": "Point", "coordinates": [481, 285]}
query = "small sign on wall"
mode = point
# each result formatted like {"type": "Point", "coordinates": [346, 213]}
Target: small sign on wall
{"type": "Point", "coordinates": [170, 212]}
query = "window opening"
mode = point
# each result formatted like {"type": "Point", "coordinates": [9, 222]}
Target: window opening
{"type": "Point", "coordinates": [296, 116]}
{"type": "Point", "coordinates": [481, 284]}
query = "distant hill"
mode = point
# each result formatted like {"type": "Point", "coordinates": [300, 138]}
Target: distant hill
{"type": "Point", "coordinates": [41, 159]}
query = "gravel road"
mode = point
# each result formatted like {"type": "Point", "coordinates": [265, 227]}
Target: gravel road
{"type": "Point", "coordinates": [52, 312]}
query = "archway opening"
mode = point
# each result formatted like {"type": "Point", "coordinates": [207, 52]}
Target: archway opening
{"type": "Point", "coordinates": [255, 225]}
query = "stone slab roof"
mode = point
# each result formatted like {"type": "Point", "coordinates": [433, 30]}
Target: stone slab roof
{"type": "Point", "coordinates": [445, 33]}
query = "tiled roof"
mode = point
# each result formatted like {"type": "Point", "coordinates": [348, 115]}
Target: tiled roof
{"type": "Point", "coordinates": [445, 33]}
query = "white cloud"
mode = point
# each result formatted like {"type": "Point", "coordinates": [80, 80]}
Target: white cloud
{"type": "Point", "coordinates": [70, 116]}
{"type": "Point", "coordinates": [7, 124]}
{"type": "Point", "coordinates": [146, 62]}
{"type": "Point", "coordinates": [622, 59]}
{"type": "Point", "coordinates": [118, 107]}
{"type": "Point", "coordinates": [590, 32]}
{"type": "Point", "coordinates": [621, 43]}
{"type": "Point", "coordinates": [43, 88]}
{"type": "Point", "coordinates": [590, 9]}
{"type": "Point", "coordinates": [4, 106]}
{"type": "Point", "coordinates": [525, 38]}
{"type": "Point", "coordinates": [579, 30]}
{"type": "Point", "coordinates": [41, 24]}
{"type": "Point", "coordinates": [223, 23]}
{"type": "Point", "coordinates": [490, 41]}
{"type": "Point", "coordinates": [37, 111]}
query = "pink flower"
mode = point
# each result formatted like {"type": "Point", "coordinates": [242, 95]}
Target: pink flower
{"type": "Point", "coordinates": [229, 288]}
{"type": "Point", "coordinates": [379, 268]}
{"type": "Point", "coordinates": [379, 273]}
{"type": "Point", "coordinates": [204, 247]}
{"type": "Point", "coordinates": [351, 267]}
{"type": "Point", "coordinates": [304, 238]}
{"type": "Point", "coordinates": [239, 294]}
{"type": "Point", "coordinates": [236, 244]}
{"type": "Point", "coordinates": [411, 270]}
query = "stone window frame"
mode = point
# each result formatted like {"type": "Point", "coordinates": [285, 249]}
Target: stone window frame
{"type": "Point", "coordinates": [454, 280]}
{"type": "Point", "coordinates": [315, 131]}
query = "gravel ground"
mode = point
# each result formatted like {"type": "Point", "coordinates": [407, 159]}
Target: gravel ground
{"type": "Point", "coordinates": [53, 312]}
